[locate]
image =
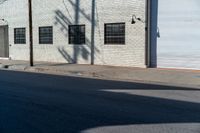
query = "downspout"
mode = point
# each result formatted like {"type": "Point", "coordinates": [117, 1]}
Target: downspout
{"type": "Point", "coordinates": [93, 32]}
{"type": "Point", "coordinates": [148, 34]}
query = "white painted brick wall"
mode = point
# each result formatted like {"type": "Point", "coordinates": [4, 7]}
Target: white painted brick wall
{"type": "Point", "coordinates": [60, 14]}
{"type": "Point", "coordinates": [15, 12]}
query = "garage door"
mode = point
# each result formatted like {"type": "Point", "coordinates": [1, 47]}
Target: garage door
{"type": "Point", "coordinates": [178, 45]}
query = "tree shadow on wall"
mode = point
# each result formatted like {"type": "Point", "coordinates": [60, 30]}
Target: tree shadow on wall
{"type": "Point", "coordinates": [2, 1]}
{"type": "Point", "coordinates": [86, 51]}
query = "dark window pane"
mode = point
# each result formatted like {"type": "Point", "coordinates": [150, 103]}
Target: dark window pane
{"type": "Point", "coordinates": [77, 34]}
{"type": "Point", "coordinates": [46, 35]}
{"type": "Point", "coordinates": [115, 33]}
{"type": "Point", "coordinates": [20, 35]}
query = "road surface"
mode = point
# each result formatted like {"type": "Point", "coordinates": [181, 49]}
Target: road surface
{"type": "Point", "coordinates": [41, 103]}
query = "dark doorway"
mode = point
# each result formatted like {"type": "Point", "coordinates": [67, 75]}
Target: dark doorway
{"type": "Point", "coordinates": [4, 46]}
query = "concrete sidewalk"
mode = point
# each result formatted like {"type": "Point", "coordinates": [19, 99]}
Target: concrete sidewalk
{"type": "Point", "coordinates": [171, 77]}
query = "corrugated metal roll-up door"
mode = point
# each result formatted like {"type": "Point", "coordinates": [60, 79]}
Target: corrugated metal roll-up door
{"type": "Point", "coordinates": [179, 28]}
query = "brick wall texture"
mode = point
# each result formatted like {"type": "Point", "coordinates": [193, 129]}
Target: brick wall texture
{"type": "Point", "coordinates": [61, 13]}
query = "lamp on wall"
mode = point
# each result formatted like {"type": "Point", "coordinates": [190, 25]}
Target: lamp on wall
{"type": "Point", "coordinates": [135, 19]}
{"type": "Point", "coordinates": [3, 20]}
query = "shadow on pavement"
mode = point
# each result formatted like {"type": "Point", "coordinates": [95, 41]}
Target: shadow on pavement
{"type": "Point", "coordinates": [31, 102]}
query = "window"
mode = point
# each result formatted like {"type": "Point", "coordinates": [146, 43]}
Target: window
{"type": "Point", "coordinates": [46, 35]}
{"type": "Point", "coordinates": [77, 34]}
{"type": "Point", "coordinates": [114, 33]}
{"type": "Point", "coordinates": [20, 35]}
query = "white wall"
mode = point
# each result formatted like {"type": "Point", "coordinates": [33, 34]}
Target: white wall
{"type": "Point", "coordinates": [15, 13]}
{"type": "Point", "coordinates": [60, 14]}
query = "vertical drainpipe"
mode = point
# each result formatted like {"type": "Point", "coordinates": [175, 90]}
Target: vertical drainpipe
{"type": "Point", "coordinates": [147, 34]}
{"type": "Point", "coordinates": [93, 23]}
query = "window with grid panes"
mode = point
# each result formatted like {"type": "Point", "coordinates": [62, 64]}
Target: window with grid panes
{"type": "Point", "coordinates": [20, 35]}
{"type": "Point", "coordinates": [77, 34]}
{"type": "Point", "coordinates": [114, 33]}
{"type": "Point", "coordinates": [46, 35]}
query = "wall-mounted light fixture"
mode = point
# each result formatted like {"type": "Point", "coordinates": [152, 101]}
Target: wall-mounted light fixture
{"type": "Point", "coordinates": [3, 20]}
{"type": "Point", "coordinates": [135, 19]}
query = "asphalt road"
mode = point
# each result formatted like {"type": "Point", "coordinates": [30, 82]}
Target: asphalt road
{"type": "Point", "coordinates": [39, 103]}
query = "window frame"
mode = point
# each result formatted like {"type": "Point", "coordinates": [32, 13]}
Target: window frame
{"type": "Point", "coordinates": [16, 41]}
{"type": "Point", "coordinates": [52, 35]}
{"type": "Point", "coordinates": [114, 43]}
{"type": "Point", "coordinates": [69, 34]}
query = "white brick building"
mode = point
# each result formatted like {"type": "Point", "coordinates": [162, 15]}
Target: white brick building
{"type": "Point", "coordinates": [112, 18]}
{"type": "Point", "coordinates": [165, 35]}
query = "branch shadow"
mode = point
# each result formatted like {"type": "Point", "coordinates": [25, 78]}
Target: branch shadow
{"type": "Point", "coordinates": [85, 51]}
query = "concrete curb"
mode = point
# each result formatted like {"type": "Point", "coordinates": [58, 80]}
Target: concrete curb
{"type": "Point", "coordinates": [153, 76]}
{"type": "Point", "coordinates": [99, 75]}
{"type": "Point", "coordinates": [17, 67]}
